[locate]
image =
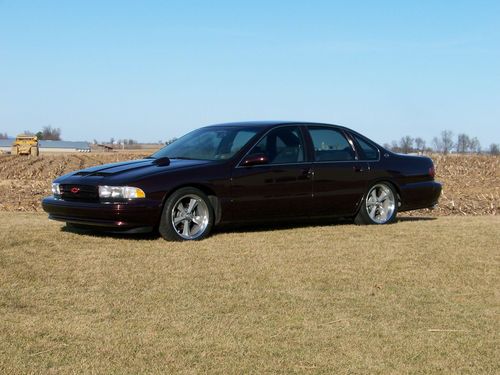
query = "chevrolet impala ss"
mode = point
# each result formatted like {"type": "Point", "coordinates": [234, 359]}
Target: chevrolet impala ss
{"type": "Point", "coordinates": [246, 172]}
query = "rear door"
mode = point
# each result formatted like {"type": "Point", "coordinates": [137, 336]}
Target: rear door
{"type": "Point", "coordinates": [282, 188]}
{"type": "Point", "coordinates": [340, 179]}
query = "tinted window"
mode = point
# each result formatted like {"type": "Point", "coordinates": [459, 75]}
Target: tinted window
{"type": "Point", "coordinates": [330, 145]}
{"type": "Point", "coordinates": [213, 143]}
{"type": "Point", "coordinates": [370, 152]}
{"type": "Point", "coordinates": [241, 139]}
{"type": "Point", "coordinates": [281, 145]}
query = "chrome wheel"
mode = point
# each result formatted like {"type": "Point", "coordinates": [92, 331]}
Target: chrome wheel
{"type": "Point", "coordinates": [380, 203]}
{"type": "Point", "coordinates": [190, 216]}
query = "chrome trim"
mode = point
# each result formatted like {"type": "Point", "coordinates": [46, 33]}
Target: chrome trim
{"type": "Point", "coordinates": [190, 222]}
{"type": "Point", "coordinates": [380, 203]}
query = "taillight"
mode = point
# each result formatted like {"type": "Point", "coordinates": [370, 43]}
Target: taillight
{"type": "Point", "coordinates": [432, 172]}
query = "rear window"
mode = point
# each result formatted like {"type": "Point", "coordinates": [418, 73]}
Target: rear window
{"type": "Point", "coordinates": [369, 151]}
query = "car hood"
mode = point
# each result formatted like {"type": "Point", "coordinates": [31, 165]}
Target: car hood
{"type": "Point", "coordinates": [128, 170]}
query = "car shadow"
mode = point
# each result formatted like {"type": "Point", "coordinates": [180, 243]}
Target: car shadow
{"type": "Point", "coordinates": [235, 228]}
{"type": "Point", "coordinates": [154, 235]}
{"type": "Point", "coordinates": [416, 218]}
{"type": "Point", "coordinates": [269, 226]}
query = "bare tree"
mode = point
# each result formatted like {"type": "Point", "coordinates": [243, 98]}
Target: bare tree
{"type": "Point", "coordinates": [394, 146]}
{"type": "Point", "coordinates": [463, 143]}
{"type": "Point", "coordinates": [28, 132]}
{"type": "Point", "coordinates": [443, 144]}
{"type": "Point", "coordinates": [436, 144]}
{"type": "Point", "coordinates": [50, 133]}
{"type": "Point", "coordinates": [420, 144]}
{"type": "Point", "coordinates": [494, 149]}
{"type": "Point", "coordinates": [3, 136]}
{"type": "Point", "coordinates": [474, 145]}
{"type": "Point", "coordinates": [406, 144]}
{"type": "Point", "coordinates": [447, 141]}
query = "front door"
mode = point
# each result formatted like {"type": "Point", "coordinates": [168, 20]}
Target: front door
{"type": "Point", "coordinates": [281, 188]}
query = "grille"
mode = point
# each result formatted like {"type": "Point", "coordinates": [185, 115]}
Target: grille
{"type": "Point", "coordinates": [79, 192]}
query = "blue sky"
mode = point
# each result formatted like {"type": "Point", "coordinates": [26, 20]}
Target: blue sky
{"type": "Point", "coordinates": [152, 70]}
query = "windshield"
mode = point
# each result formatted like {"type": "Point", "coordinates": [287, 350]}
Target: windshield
{"type": "Point", "coordinates": [213, 143]}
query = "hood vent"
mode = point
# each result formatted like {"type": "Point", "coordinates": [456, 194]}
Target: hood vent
{"type": "Point", "coordinates": [162, 162]}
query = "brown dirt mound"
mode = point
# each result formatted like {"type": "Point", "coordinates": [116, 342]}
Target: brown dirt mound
{"type": "Point", "coordinates": [471, 183]}
{"type": "Point", "coordinates": [24, 181]}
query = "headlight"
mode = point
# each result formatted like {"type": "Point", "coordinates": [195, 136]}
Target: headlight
{"type": "Point", "coordinates": [120, 192]}
{"type": "Point", "coordinates": [55, 189]}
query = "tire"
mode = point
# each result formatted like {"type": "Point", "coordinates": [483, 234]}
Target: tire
{"type": "Point", "coordinates": [379, 205]}
{"type": "Point", "coordinates": [186, 208]}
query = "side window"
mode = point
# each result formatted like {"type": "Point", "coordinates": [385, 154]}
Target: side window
{"type": "Point", "coordinates": [281, 146]}
{"type": "Point", "coordinates": [330, 145]}
{"type": "Point", "coordinates": [240, 140]}
{"type": "Point", "coordinates": [370, 152]}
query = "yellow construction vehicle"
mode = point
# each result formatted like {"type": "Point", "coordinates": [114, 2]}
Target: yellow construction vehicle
{"type": "Point", "coordinates": [25, 145]}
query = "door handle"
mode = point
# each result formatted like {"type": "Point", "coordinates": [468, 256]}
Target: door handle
{"type": "Point", "coordinates": [308, 173]}
{"type": "Point", "coordinates": [357, 168]}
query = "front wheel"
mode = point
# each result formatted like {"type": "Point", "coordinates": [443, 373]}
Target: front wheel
{"type": "Point", "coordinates": [379, 205]}
{"type": "Point", "coordinates": [187, 215]}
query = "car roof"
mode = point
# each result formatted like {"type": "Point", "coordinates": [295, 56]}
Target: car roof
{"type": "Point", "coordinates": [271, 123]}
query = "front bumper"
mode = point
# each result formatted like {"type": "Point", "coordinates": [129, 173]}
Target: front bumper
{"type": "Point", "coordinates": [115, 216]}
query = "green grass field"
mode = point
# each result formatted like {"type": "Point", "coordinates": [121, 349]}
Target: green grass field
{"type": "Point", "coordinates": [419, 296]}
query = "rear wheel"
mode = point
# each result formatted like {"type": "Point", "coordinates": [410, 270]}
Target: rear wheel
{"type": "Point", "coordinates": [187, 215]}
{"type": "Point", "coordinates": [379, 206]}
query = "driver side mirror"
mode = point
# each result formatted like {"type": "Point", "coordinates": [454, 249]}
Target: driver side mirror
{"type": "Point", "coordinates": [255, 159]}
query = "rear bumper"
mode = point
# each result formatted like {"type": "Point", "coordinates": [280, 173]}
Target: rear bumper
{"type": "Point", "coordinates": [420, 195]}
{"type": "Point", "coordinates": [115, 216]}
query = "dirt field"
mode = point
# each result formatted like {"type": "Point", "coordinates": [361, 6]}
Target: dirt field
{"type": "Point", "coordinates": [24, 181]}
{"type": "Point", "coordinates": [419, 296]}
{"type": "Point", "coordinates": [471, 183]}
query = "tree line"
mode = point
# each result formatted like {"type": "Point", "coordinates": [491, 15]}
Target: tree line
{"type": "Point", "coordinates": [47, 133]}
{"type": "Point", "coordinates": [445, 144]}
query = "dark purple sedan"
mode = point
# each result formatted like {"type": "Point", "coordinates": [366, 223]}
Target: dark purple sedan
{"type": "Point", "coordinates": [246, 172]}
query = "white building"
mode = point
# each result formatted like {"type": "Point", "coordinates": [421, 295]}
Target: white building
{"type": "Point", "coordinates": [50, 146]}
